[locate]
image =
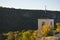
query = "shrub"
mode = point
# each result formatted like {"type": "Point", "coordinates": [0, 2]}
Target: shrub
{"type": "Point", "coordinates": [45, 30]}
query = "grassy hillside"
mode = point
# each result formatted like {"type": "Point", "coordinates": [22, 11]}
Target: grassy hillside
{"type": "Point", "coordinates": [22, 19]}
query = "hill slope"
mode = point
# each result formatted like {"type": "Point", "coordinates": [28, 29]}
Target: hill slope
{"type": "Point", "coordinates": [18, 19]}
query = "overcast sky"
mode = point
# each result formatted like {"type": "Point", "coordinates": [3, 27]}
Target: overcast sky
{"type": "Point", "coordinates": [32, 4]}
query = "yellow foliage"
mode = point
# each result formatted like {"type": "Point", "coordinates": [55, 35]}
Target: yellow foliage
{"type": "Point", "coordinates": [58, 27]}
{"type": "Point", "coordinates": [34, 35]}
{"type": "Point", "coordinates": [46, 29]}
{"type": "Point", "coordinates": [26, 35]}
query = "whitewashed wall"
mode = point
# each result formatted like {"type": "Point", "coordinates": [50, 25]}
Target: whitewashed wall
{"type": "Point", "coordinates": [46, 21]}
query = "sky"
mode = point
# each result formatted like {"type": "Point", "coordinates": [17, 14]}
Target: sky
{"type": "Point", "coordinates": [32, 4]}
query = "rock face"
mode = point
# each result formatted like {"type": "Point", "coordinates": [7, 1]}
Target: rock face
{"type": "Point", "coordinates": [58, 35]}
{"type": "Point", "coordinates": [49, 38]}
